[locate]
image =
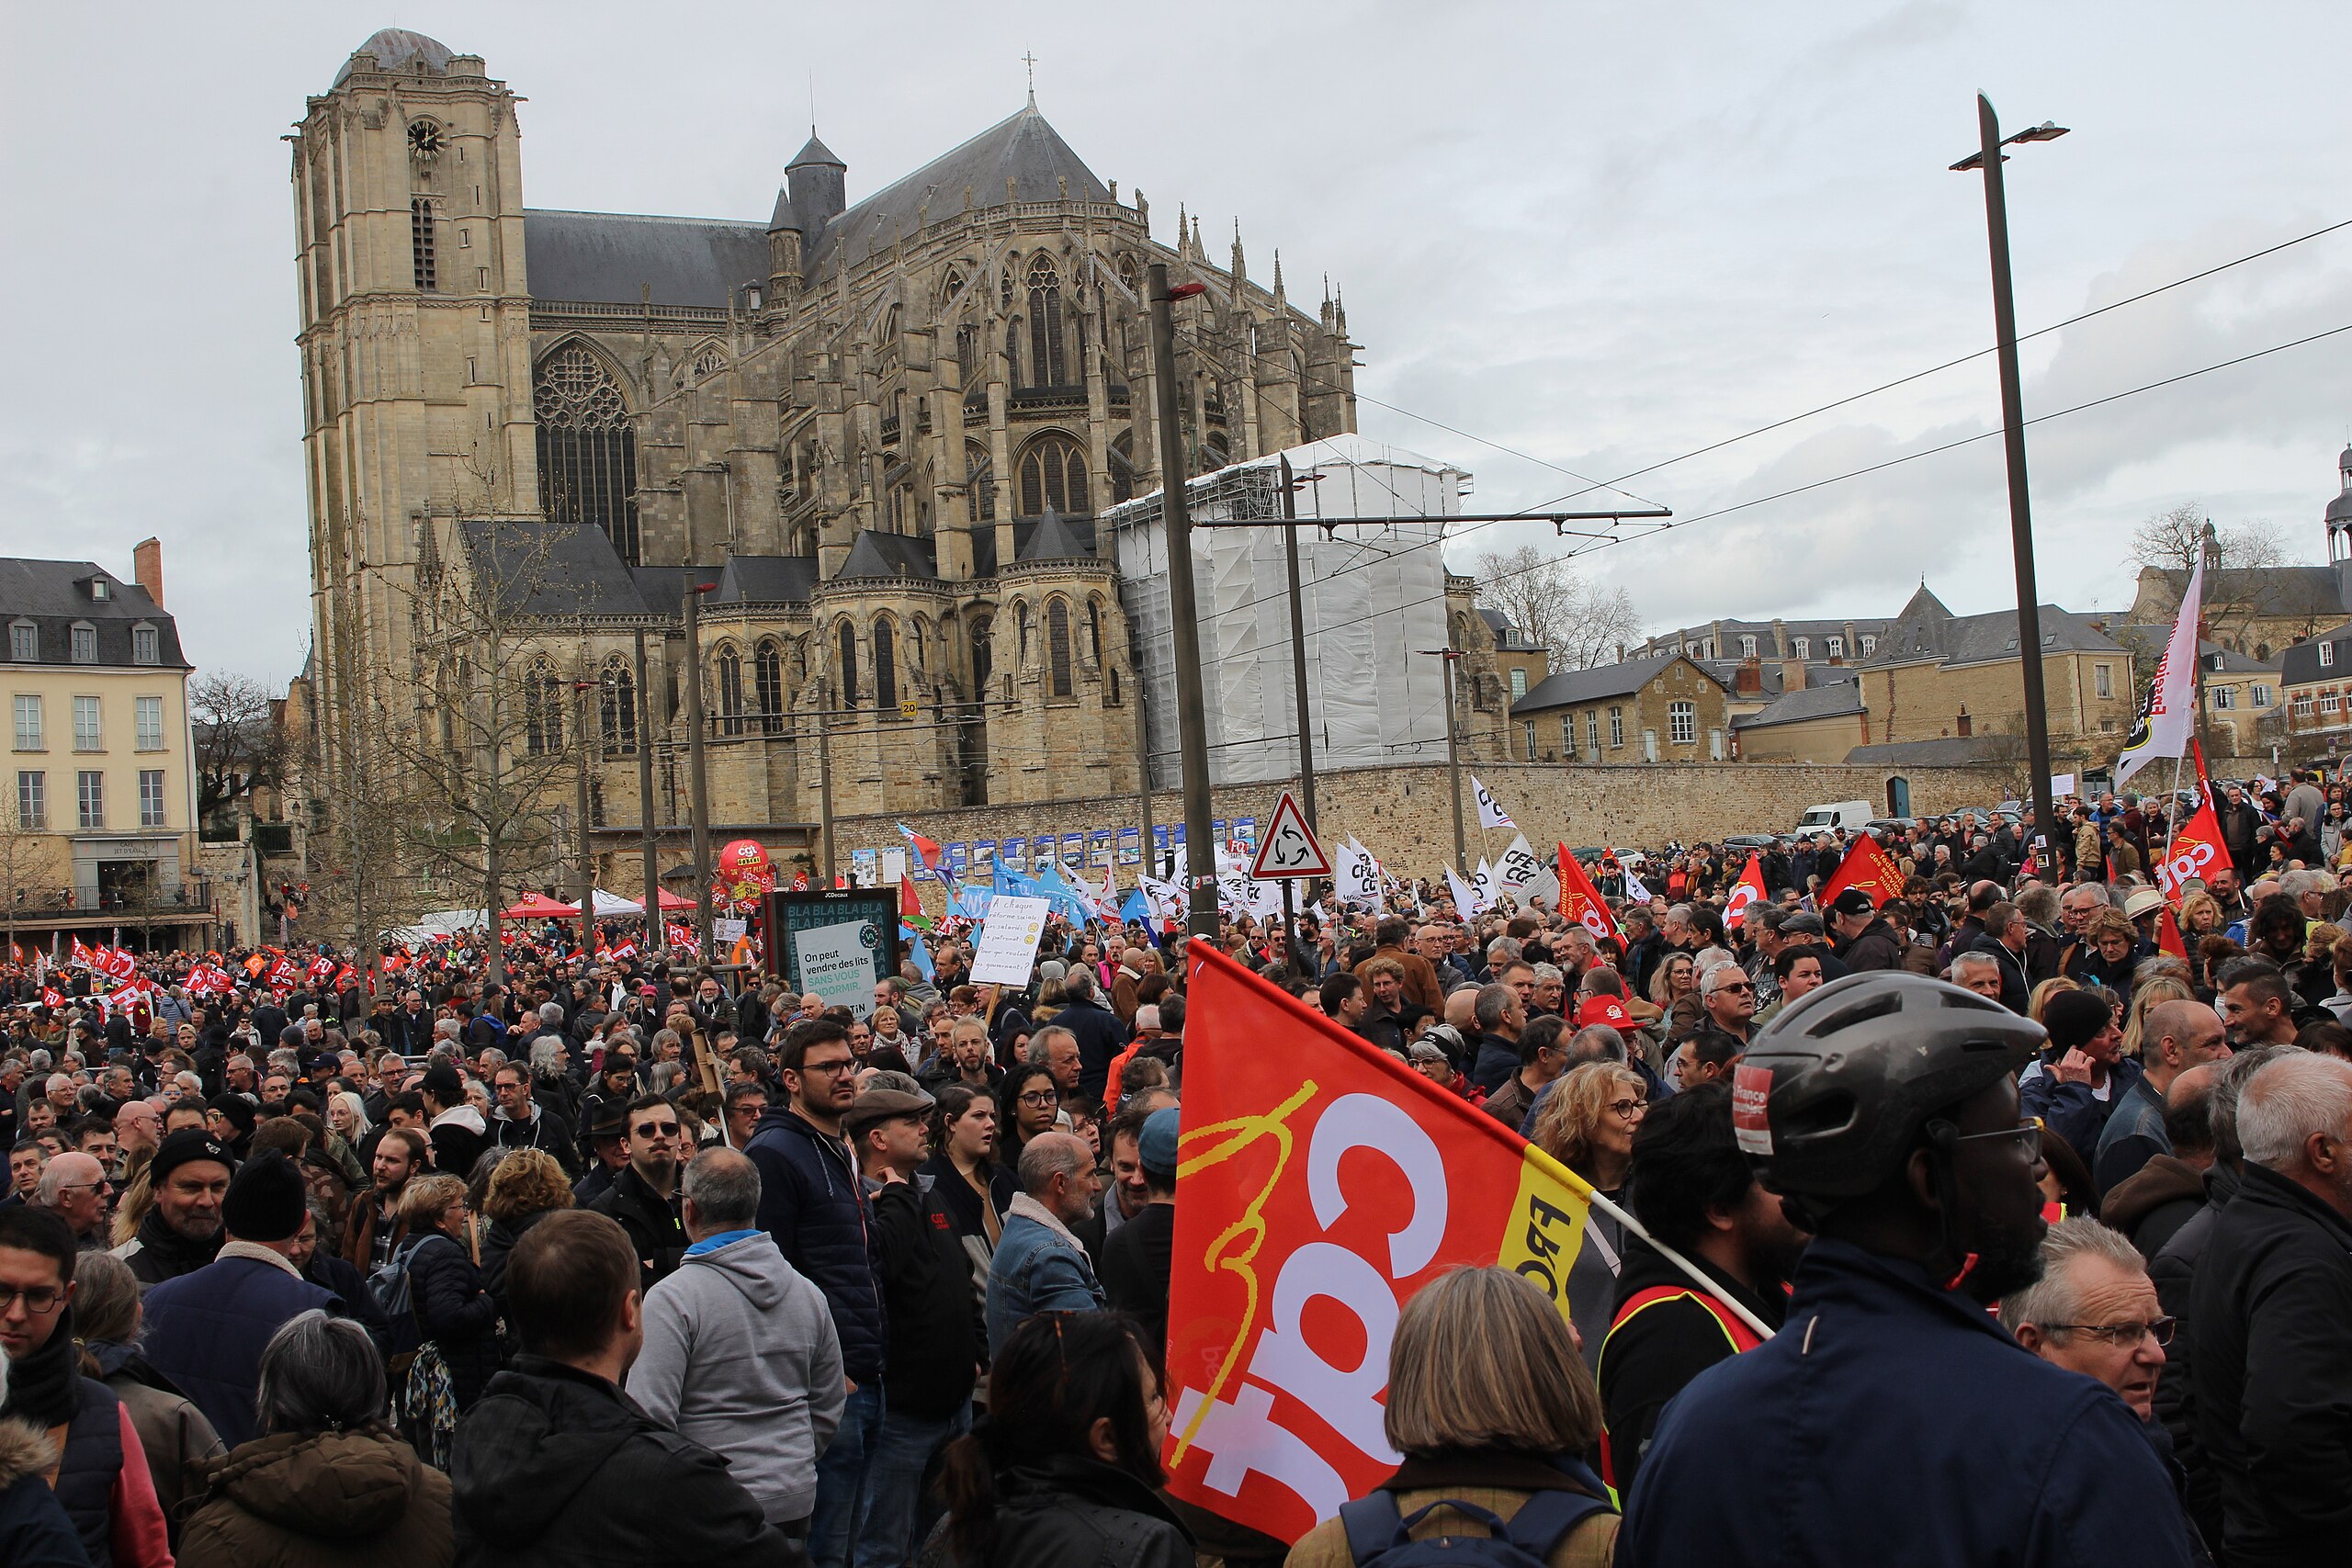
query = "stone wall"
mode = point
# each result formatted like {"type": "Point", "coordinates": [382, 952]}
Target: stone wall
{"type": "Point", "coordinates": [1401, 813]}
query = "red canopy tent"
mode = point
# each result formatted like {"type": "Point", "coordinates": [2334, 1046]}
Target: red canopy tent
{"type": "Point", "coordinates": [671, 901]}
{"type": "Point", "coordinates": [540, 907]}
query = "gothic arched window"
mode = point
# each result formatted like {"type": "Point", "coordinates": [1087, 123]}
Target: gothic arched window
{"type": "Point", "coordinates": [951, 286]}
{"type": "Point", "coordinates": [767, 686]}
{"type": "Point", "coordinates": [1058, 647]}
{"type": "Point", "coordinates": [1094, 630]}
{"type": "Point", "coordinates": [983, 655]}
{"type": "Point", "coordinates": [915, 646]}
{"type": "Point", "coordinates": [848, 665]}
{"type": "Point", "coordinates": [616, 706]}
{"type": "Point", "coordinates": [1046, 368]}
{"type": "Point", "coordinates": [980, 484]}
{"type": "Point", "coordinates": [587, 452]}
{"type": "Point", "coordinates": [885, 668]}
{"type": "Point", "coordinates": [1053, 473]}
{"type": "Point", "coordinates": [1021, 625]}
{"type": "Point", "coordinates": [1213, 454]}
{"type": "Point", "coordinates": [730, 690]}
{"type": "Point", "coordinates": [542, 710]}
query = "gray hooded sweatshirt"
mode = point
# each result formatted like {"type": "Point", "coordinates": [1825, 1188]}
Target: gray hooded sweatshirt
{"type": "Point", "coordinates": [740, 1357]}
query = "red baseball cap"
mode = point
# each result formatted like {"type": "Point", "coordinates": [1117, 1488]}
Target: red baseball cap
{"type": "Point", "coordinates": [1610, 1010]}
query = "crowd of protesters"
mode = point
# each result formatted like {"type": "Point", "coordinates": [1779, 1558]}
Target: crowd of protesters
{"type": "Point", "coordinates": [573, 1258]}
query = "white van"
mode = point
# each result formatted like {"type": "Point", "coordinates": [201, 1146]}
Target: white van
{"type": "Point", "coordinates": [1847, 814]}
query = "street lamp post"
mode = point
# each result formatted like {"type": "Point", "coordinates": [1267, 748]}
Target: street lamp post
{"type": "Point", "coordinates": [1453, 758]}
{"type": "Point", "coordinates": [1988, 158]}
{"type": "Point", "coordinates": [1199, 892]}
{"type": "Point", "coordinates": [698, 796]}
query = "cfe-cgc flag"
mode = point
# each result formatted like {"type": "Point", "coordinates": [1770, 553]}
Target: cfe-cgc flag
{"type": "Point", "coordinates": [1490, 810]}
{"type": "Point", "coordinates": [1866, 866]}
{"type": "Point", "coordinates": [1324, 1184]}
{"type": "Point", "coordinates": [1746, 891]}
{"type": "Point", "coordinates": [1582, 902]}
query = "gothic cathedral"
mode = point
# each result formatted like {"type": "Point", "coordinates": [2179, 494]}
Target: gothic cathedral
{"type": "Point", "coordinates": [881, 429]}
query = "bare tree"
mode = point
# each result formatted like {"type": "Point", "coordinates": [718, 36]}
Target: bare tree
{"type": "Point", "coordinates": [31, 866]}
{"type": "Point", "coordinates": [2172, 541]}
{"type": "Point", "coordinates": [1579, 622]}
{"type": "Point", "coordinates": [240, 744]}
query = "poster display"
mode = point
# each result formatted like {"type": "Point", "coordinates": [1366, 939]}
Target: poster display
{"type": "Point", "coordinates": [846, 938]}
{"type": "Point", "coordinates": [1131, 846]}
{"type": "Point", "coordinates": [1015, 852]}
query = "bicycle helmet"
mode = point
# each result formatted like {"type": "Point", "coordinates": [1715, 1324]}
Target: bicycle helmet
{"type": "Point", "coordinates": [1849, 1074]}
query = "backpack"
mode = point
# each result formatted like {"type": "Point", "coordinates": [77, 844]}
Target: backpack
{"type": "Point", "coordinates": [1379, 1536]}
{"type": "Point", "coordinates": [395, 1292]}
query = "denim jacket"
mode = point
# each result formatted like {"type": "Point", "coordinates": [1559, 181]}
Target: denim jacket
{"type": "Point", "coordinates": [1038, 1267]}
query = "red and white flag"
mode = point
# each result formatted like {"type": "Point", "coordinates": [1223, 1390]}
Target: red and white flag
{"type": "Point", "coordinates": [1868, 867]}
{"type": "Point", "coordinates": [2196, 849]}
{"type": "Point", "coordinates": [1746, 891]}
{"type": "Point", "coordinates": [1582, 902]}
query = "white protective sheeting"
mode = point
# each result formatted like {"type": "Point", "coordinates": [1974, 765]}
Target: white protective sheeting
{"type": "Point", "coordinates": [1371, 599]}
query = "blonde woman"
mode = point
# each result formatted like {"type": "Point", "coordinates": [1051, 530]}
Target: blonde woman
{"type": "Point", "coordinates": [2039, 1001]}
{"type": "Point", "coordinates": [1585, 1121]}
{"type": "Point", "coordinates": [2150, 993]}
{"type": "Point", "coordinates": [1675, 979]}
{"type": "Point", "coordinates": [1490, 1405]}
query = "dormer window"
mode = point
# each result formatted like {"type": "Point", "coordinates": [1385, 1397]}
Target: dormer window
{"type": "Point", "coordinates": [101, 591]}
{"type": "Point", "coordinates": [86, 640]}
{"type": "Point", "coordinates": [2327, 656]}
{"type": "Point", "coordinates": [146, 644]}
{"type": "Point", "coordinates": [24, 642]}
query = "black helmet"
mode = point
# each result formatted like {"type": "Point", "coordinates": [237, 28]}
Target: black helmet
{"type": "Point", "coordinates": [1858, 1066]}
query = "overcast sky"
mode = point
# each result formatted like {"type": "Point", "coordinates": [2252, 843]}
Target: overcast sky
{"type": "Point", "coordinates": [1601, 235]}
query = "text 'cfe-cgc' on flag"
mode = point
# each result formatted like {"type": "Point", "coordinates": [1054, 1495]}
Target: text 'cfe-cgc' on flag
{"type": "Point", "coordinates": [1324, 1182]}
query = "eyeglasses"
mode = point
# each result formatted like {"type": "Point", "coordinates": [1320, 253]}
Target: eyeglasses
{"type": "Point", "coordinates": [2119, 1334]}
{"type": "Point", "coordinates": [39, 1300]}
{"type": "Point", "coordinates": [1040, 1097]}
{"type": "Point", "coordinates": [847, 1064]}
{"type": "Point", "coordinates": [655, 1129]}
{"type": "Point", "coordinates": [1629, 1108]}
{"type": "Point", "coordinates": [2028, 1132]}
{"type": "Point", "coordinates": [1734, 985]}
{"type": "Point", "coordinates": [101, 1185]}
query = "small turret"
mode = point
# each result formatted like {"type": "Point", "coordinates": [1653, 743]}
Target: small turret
{"type": "Point", "coordinates": [819, 185]}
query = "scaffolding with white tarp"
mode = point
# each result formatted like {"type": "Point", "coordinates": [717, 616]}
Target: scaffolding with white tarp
{"type": "Point", "coordinates": [1370, 598]}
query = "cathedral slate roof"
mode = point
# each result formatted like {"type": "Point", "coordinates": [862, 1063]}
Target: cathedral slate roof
{"type": "Point", "coordinates": [766, 580]}
{"type": "Point", "coordinates": [1022, 147]}
{"type": "Point", "coordinates": [887, 555]}
{"type": "Point", "coordinates": [601, 258]}
{"type": "Point", "coordinates": [543, 568]}
{"type": "Point", "coordinates": [1053, 539]}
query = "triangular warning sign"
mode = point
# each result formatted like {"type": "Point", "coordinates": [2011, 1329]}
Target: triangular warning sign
{"type": "Point", "coordinates": [1288, 847]}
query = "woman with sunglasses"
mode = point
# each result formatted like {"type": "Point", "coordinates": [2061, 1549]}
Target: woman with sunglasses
{"type": "Point", "coordinates": [1587, 1123]}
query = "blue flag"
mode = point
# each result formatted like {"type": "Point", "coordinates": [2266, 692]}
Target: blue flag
{"type": "Point", "coordinates": [916, 950]}
{"type": "Point", "coordinates": [1136, 907]}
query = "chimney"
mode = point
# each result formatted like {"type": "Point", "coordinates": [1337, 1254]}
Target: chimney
{"type": "Point", "coordinates": [147, 566]}
{"type": "Point", "coordinates": [1967, 725]}
{"type": "Point", "coordinates": [1747, 681]}
{"type": "Point", "coordinates": [1793, 675]}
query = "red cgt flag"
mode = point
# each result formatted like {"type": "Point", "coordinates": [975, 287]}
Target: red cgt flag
{"type": "Point", "coordinates": [2196, 849]}
{"type": "Point", "coordinates": [1581, 901]}
{"type": "Point", "coordinates": [1869, 867]}
{"type": "Point", "coordinates": [1324, 1183]}
{"type": "Point", "coordinates": [1747, 890]}
{"type": "Point", "coordinates": [2168, 938]}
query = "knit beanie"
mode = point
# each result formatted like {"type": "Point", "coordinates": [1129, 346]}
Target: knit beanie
{"type": "Point", "coordinates": [266, 1199]}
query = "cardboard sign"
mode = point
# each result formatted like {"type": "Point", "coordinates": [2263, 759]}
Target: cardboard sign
{"type": "Point", "coordinates": [1007, 948]}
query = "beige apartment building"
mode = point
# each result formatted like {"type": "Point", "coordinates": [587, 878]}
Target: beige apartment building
{"type": "Point", "coordinates": [99, 838]}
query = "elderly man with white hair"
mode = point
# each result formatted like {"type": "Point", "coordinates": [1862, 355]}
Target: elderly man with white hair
{"type": "Point", "coordinates": [2270, 1308]}
{"type": "Point", "coordinates": [1039, 1264]}
{"type": "Point", "coordinates": [74, 1188]}
{"type": "Point", "coordinates": [2094, 1311]}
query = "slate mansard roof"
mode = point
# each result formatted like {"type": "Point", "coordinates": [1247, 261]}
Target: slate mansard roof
{"type": "Point", "coordinates": [56, 596]}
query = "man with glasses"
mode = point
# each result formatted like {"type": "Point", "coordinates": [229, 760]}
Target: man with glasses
{"type": "Point", "coordinates": [1884, 1113]}
{"type": "Point", "coordinates": [1729, 996]}
{"type": "Point", "coordinates": [102, 1477]}
{"type": "Point", "coordinates": [74, 1188]}
{"type": "Point", "coordinates": [812, 1202]}
{"type": "Point", "coordinates": [2094, 1311]}
{"type": "Point", "coordinates": [644, 1196]}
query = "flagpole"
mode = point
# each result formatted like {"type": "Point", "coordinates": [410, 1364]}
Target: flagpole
{"type": "Point", "coordinates": [2172, 811]}
{"type": "Point", "coordinates": [1697, 1275]}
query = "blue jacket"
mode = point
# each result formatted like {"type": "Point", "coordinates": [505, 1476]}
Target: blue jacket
{"type": "Point", "coordinates": [2069, 1108]}
{"type": "Point", "coordinates": [1036, 1270]}
{"type": "Point", "coordinates": [1892, 1421]}
{"type": "Point", "coordinates": [205, 1332]}
{"type": "Point", "coordinates": [812, 1202]}
{"type": "Point", "coordinates": [2134, 1136]}
{"type": "Point", "coordinates": [1498, 1058]}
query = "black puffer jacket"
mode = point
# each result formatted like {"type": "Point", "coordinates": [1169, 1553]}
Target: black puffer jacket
{"type": "Point", "coordinates": [559, 1468]}
{"type": "Point", "coordinates": [1875, 946]}
{"type": "Point", "coordinates": [812, 1202]}
{"type": "Point", "coordinates": [655, 1229]}
{"type": "Point", "coordinates": [2269, 1306]}
{"type": "Point", "coordinates": [456, 1313]}
{"type": "Point", "coordinates": [1067, 1512]}
{"type": "Point", "coordinates": [2174, 1272]}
